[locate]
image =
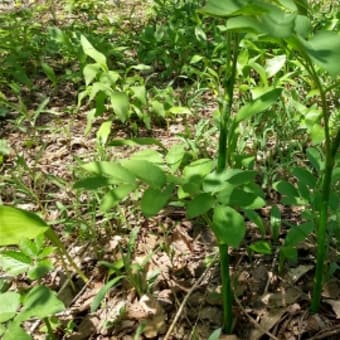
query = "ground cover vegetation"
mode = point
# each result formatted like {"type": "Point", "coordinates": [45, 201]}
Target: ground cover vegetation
{"type": "Point", "coordinates": [170, 169]}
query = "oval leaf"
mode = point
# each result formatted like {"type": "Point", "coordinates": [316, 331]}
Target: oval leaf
{"type": "Point", "coordinates": [16, 224]}
{"type": "Point", "coordinates": [228, 226]}
{"type": "Point", "coordinates": [146, 171]}
{"type": "Point", "coordinates": [200, 205]}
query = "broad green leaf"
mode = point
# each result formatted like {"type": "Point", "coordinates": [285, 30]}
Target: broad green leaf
{"type": "Point", "coordinates": [103, 291]}
{"type": "Point", "coordinates": [200, 205]}
{"type": "Point", "coordinates": [261, 247]}
{"type": "Point", "coordinates": [94, 183]}
{"type": "Point", "coordinates": [201, 167]}
{"type": "Point", "coordinates": [158, 108]}
{"type": "Point", "coordinates": [113, 197]}
{"type": "Point", "coordinates": [324, 50]}
{"type": "Point", "coordinates": [256, 218]}
{"type": "Point", "coordinates": [109, 78]}
{"type": "Point", "coordinates": [288, 191]}
{"type": "Point", "coordinates": [90, 72]}
{"type": "Point", "coordinates": [9, 304]}
{"type": "Point", "coordinates": [317, 133]}
{"type": "Point", "coordinates": [40, 302]}
{"type": "Point", "coordinates": [146, 171]}
{"type": "Point", "coordinates": [175, 156]}
{"type": "Point", "coordinates": [196, 58]}
{"type": "Point", "coordinates": [176, 110]}
{"type": "Point", "coordinates": [228, 226]}
{"type": "Point", "coordinates": [315, 158]}
{"type": "Point", "coordinates": [154, 200]}
{"type": "Point", "coordinates": [150, 155]}
{"type": "Point", "coordinates": [16, 224]}
{"type": "Point", "coordinates": [137, 141]}
{"type": "Point", "coordinates": [15, 332]}
{"type": "Point", "coordinates": [139, 92]}
{"type": "Point", "coordinates": [90, 51]}
{"type": "Point", "coordinates": [48, 70]}
{"type": "Point", "coordinates": [298, 234]}
{"type": "Point", "coordinates": [228, 7]}
{"type": "Point", "coordinates": [303, 26]}
{"type": "Point", "coordinates": [215, 335]}
{"type": "Point", "coordinates": [120, 105]}
{"type": "Point", "coordinates": [274, 65]}
{"type": "Point", "coordinates": [14, 263]}
{"type": "Point", "coordinates": [117, 173]}
{"type": "Point", "coordinates": [103, 132]}
{"type": "Point", "coordinates": [289, 253]}
{"type": "Point", "coordinates": [242, 198]}
{"type": "Point", "coordinates": [217, 181]}
{"type": "Point", "coordinates": [262, 103]}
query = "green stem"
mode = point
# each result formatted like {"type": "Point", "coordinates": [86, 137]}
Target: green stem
{"type": "Point", "coordinates": [226, 290]}
{"type": "Point", "coordinates": [330, 152]}
{"type": "Point", "coordinates": [53, 237]}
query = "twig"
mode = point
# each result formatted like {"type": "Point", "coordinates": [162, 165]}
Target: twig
{"type": "Point", "coordinates": [325, 333]}
{"type": "Point", "coordinates": [185, 300]}
{"type": "Point", "coordinates": [253, 321]}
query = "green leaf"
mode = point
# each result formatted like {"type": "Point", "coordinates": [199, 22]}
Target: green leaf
{"type": "Point", "coordinates": [243, 198]}
{"type": "Point", "coordinates": [288, 190]}
{"type": "Point", "coordinates": [228, 226]}
{"type": "Point", "coordinates": [14, 263]}
{"type": "Point", "coordinates": [139, 92]}
{"type": "Point", "coordinates": [40, 302]}
{"type": "Point", "coordinates": [103, 132]}
{"type": "Point", "coordinates": [48, 70]}
{"type": "Point", "coordinates": [113, 197]}
{"type": "Point", "coordinates": [261, 247]}
{"type": "Point", "coordinates": [16, 224]}
{"type": "Point", "coordinates": [146, 171]}
{"type": "Point", "coordinates": [256, 218]}
{"type": "Point", "coordinates": [102, 292]}
{"type": "Point", "coordinates": [175, 156]}
{"type": "Point", "coordinates": [117, 173]}
{"type": "Point", "coordinates": [298, 234]}
{"type": "Point", "coordinates": [15, 332]}
{"type": "Point", "coordinates": [304, 176]}
{"type": "Point", "coordinates": [215, 335]}
{"type": "Point", "coordinates": [150, 155]}
{"type": "Point", "coordinates": [201, 167]}
{"type": "Point", "coordinates": [324, 50]}
{"type": "Point", "coordinates": [154, 200]}
{"type": "Point", "coordinates": [200, 205]}
{"type": "Point", "coordinates": [137, 141]}
{"type": "Point", "coordinates": [90, 51]}
{"type": "Point", "coordinates": [224, 8]}
{"type": "Point", "coordinates": [274, 65]}
{"type": "Point", "coordinates": [90, 72]}
{"type": "Point", "coordinates": [9, 304]}
{"type": "Point", "coordinates": [120, 105]}
{"type": "Point", "coordinates": [94, 183]}
{"type": "Point", "coordinates": [260, 104]}
{"type": "Point", "coordinates": [275, 222]}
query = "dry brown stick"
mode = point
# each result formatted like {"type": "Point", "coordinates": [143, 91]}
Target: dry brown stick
{"type": "Point", "coordinates": [185, 300]}
{"type": "Point", "coordinates": [325, 333]}
{"type": "Point", "coordinates": [253, 321]}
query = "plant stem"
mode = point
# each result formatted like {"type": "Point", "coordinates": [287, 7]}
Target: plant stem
{"type": "Point", "coordinates": [330, 152]}
{"type": "Point", "coordinates": [226, 290]}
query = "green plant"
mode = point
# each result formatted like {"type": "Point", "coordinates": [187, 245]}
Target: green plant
{"type": "Point", "coordinates": [39, 302]}
{"type": "Point", "coordinates": [284, 21]}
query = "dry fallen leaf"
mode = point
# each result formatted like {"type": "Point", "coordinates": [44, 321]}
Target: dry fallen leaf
{"type": "Point", "coordinates": [295, 274]}
{"type": "Point", "coordinates": [335, 306]}
{"type": "Point", "coordinates": [281, 299]}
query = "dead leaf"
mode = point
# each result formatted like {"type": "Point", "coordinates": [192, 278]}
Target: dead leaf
{"type": "Point", "coordinates": [268, 320]}
{"type": "Point", "coordinates": [335, 306]}
{"type": "Point", "coordinates": [281, 299]}
{"type": "Point", "coordinates": [332, 289]}
{"type": "Point", "coordinates": [295, 274]}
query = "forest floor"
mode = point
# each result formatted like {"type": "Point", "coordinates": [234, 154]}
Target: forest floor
{"type": "Point", "coordinates": [174, 259]}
